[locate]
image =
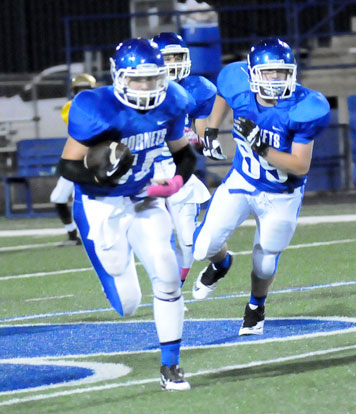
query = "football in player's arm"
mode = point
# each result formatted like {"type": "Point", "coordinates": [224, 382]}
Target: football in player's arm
{"type": "Point", "coordinates": [115, 134]}
{"type": "Point", "coordinates": [275, 123]}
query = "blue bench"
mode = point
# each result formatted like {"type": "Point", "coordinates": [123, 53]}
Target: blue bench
{"type": "Point", "coordinates": [36, 158]}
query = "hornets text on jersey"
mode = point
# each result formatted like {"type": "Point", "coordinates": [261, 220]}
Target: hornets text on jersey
{"type": "Point", "coordinates": [97, 114]}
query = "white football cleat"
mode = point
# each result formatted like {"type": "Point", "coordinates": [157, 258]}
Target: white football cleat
{"type": "Point", "coordinates": [172, 379]}
{"type": "Point", "coordinates": [201, 291]}
{"type": "Point", "coordinates": [207, 281]}
{"type": "Point", "coordinates": [254, 320]}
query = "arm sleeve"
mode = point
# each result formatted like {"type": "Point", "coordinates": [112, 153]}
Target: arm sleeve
{"type": "Point", "coordinates": [75, 171]}
{"type": "Point", "coordinates": [185, 161]}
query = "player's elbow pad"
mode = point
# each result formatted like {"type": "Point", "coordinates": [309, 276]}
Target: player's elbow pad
{"type": "Point", "coordinates": [75, 171]}
{"type": "Point", "coordinates": [185, 161]}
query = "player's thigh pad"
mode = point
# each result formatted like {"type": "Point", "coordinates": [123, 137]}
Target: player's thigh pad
{"type": "Point", "coordinates": [149, 235]}
{"type": "Point", "coordinates": [184, 218]}
{"type": "Point", "coordinates": [62, 191]}
{"type": "Point", "coordinates": [277, 219]}
{"type": "Point", "coordinates": [103, 230]}
{"type": "Point", "coordinates": [226, 211]}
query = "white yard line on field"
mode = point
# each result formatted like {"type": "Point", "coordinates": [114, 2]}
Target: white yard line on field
{"type": "Point", "coordinates": [49, 298]}
{"type": "Point", "coordinates": [241, 253]}
{"type": "Point", "coordinates": [227, 368]}
{"type": "Point", "coordinates": [149, 304]}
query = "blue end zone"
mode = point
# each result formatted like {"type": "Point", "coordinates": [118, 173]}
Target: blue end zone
{"type": "Point", "coordinates": [72, 339]}
{"type": "Point", "coordinates": [18, 376]}
{"type": "Point", "coordinates": [102, 338]}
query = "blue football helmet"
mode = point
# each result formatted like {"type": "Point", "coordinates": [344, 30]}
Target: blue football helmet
{"type": "Point", "coordinates": [272, 54]}
{"type": "Point", "coordinates": [140, 77]}
{"type": "Point", "coordinates": [175, 53]}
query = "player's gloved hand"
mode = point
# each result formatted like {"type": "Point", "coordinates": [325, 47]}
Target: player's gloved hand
{"type": "Point", "coordinates": [192, 136]}
{"type": "Point", "coordinates": [165, 188]}
{"type": "Point", "coordinates": [251, 134]}
{"type": "Point", "coordinates": [212, 147]}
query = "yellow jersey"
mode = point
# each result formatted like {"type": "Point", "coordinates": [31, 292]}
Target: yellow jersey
{"type": "Point", "coordinates": [65, 111]}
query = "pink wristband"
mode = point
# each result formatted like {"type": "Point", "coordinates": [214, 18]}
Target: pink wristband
{"type": "Point", "coordinates": [165, 190]}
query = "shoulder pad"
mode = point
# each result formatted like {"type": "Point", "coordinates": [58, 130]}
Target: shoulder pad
{"type": "Point", "coordinates": [199, 86]}
{"type": "Point", "coordinates": [233, 79]}
{"type": "Point", "coordinates": [177, 94]}
{"type": "Point", "coordinates": [84, 115]}
{"type": "Point", "coordinates": [311, 106]}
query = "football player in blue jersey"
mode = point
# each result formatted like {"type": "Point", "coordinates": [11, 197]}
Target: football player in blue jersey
{"type": "Point", "coordinates": [275, 123]}
{"type": "Point", "coordinates": [184, 206]}
{"type": "Point", "coordinates": [119, 210]}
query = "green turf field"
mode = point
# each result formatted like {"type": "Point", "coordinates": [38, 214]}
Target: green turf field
{"type": "Point", "coordinates": [43, 285]}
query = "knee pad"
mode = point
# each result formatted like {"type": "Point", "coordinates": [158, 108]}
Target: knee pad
{"type": "Point", "coordinates": [264, 262]}
{"type": "Point", "coordinates": [166, 290]}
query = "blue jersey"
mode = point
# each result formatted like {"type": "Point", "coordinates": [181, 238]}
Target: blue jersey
{"type": "Point", "coordinates": [201, 93]}
{"type": "Point", "coordinates": [299, 119]}
{"type": "Point", "coordinates": [98, 115]}
{"type": "Point", "coordinates": [201, 97]}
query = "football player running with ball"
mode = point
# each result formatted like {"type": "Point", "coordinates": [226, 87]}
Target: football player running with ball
{"type": "Point", "coordinates": [184, 206]}
{"type": "Point", "coordinates": [115, 134]}
{"type": "Point", "coordinates": [275, 123]}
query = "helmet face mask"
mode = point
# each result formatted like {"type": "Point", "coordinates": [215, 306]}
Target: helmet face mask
{"type": "Point", "coordinates": [140, 78]}
{"type": "Point", "coordinates": [178, 62]}
{"type": "Point", "coordinates": [175, 53]}
{"type": "Point", "coordinates": [272, 55]}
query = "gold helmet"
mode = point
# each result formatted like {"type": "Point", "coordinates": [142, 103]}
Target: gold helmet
{"type": "Point", "coordinates": [83, 81]}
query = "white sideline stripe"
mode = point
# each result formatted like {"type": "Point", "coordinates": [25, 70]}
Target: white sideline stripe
{"type": "Point", "coordinates": [28, 246]}
{"type": "Point", "coordinates": [251, 364]}
{"type": "Point", "coordinates": [345, 218]}
{"type": "Point", "coordinates": [33, 232]}
{"type": "Point", "coordinates": [41, 274]}
{"type": "Point", "coordinates": [295, 246]}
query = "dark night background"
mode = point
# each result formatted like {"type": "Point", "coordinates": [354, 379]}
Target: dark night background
{"type": "Point", "coordinates": [32, 32]}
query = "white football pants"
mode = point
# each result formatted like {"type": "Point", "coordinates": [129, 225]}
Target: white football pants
{"type": "Point", "coordinates": [114, 230]}
{"type": "Point", "coordinates": [276, 219]}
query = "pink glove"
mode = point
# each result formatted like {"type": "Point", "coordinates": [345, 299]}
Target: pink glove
{"type": "Point", "coordinates": [171, 186]}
